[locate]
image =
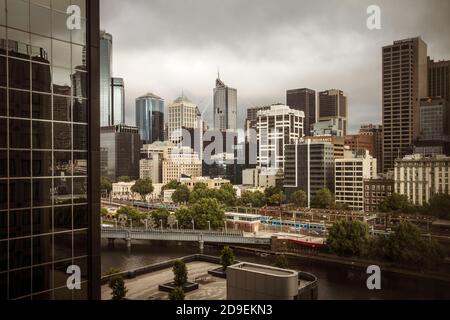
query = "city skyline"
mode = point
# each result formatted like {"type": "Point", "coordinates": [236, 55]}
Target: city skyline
{"type": "Point", "coordinates": [259, 54]}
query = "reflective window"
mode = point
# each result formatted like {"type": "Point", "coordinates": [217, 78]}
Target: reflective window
{"type": "Point", "coordinates": [20, 163]}
{"type": "Point", "coordinates": [20, 224]}
{"type": "Point", "coordinates": [79, 190]}
{"type": "Point", "coordinates": [19, 104]}
{"type": "Point", "coordinates": [62, 220]}
{"type": "Point", "coordinates": [79, 84]}
{"type": "Point", "coordinates": [60, 30]}
{"type": "Point", "coordinates": [41, 77]}
{"type": "Point", "coordinates": [2, 18]}
{"type": "Point", "coordinates": [60, 5]}
{"type": "Point", "coordinates": [3, 194]}
{"type": "Point", "coordinates": [2, 71]}
{"type": "Point", "coordinates": [61, 54]}
{"type": "Point", "coordinates": [3, 257]}
{"type": "Point", "coordinates": [80, 217]}
{"type": "Point", "coordinates": [42, 164]}
{"type": "Point", "coordinates": [18, 14]}
{"type": "Point", "coordinates": [42, 135]}
{"type": "Point", "coordinates": [3, 133]}
{"type": "Point", "coordinates": [80, 163]}
{"type": "Point", "coordinates": [19, 253]}
{"type": "Point", "coordinates": [78, 57]}
{"type": "Point", "coordinates": [41, 106]}
{"type": "Point", "coordinates": [3, 225]}
{"type": "Point", "coordinates": [80, 110]}
{"type": "Point", "coordinates": [42, 192]}
{"type": "Point", "coordinates": [63, 250]}
{"type": "Point", "coordinates": [61, 108]}
{"type": "Point", "coordinates": [79, 35]}
{"type": "Point", "coordinates": [20, 194]}
{"type": "Point", "coordinates": [40, 20]}
{"type": "Point", "coordinates": [80, 243]}
{"type": "Point", "coordinates": [63, 136]}
{"type": "Point", "coordinates": [63, 164]}
{"type": "Point", "coordinates": [62, 82]}
{"type": "Point", "coordinates": [42, 275]}
{"type": "Point", "coordinates": [22, 283]}
{"type": "Point", "coordinates": [19, 134]}
{"type": "Point", "coordinates": [41, 50]}
{"type": "Point", "coordinates": [62, 191]}
{"type": "Point", "coordinates": [3, 164]}
{"type": "Point", "coordinates": [42, 221]}
{"type": "Point", "coordinates": [19, 74]}
{"type": "Point", "coordinates": [80, 137]}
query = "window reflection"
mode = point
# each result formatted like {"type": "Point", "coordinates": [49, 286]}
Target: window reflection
{"type": "Point", "coordinates": [41, 106]}
{"type": "Point", "coordinates": [3, 133]}
{"type": "Point", "coordinates": [41, 77]}
{"type": "Point", "coordinates": [42, 135]}
{"type": "Point", "coordinates": [63, 191]}
{"type": "Point", "coordinates": [42, 191]}
{"type": "Point", "coordinates": [19, 74]}
{"type": "Point", "coordinates": [42, 278]}
{"type": "Point", "coordinates": [19, 134]}
{"type": "Point", "coordinates": [63, 250]}
{"type": "Point", "coordinates": [3, 164]}
{"type": "Point", "coordinates": [61, 108]}
{"type": "Point", "coordinates": [42, 221]}
{"type": "Point", "coordinates": [19, 253]}
{"type": "Point", "coordinates": [79, 243]}
{"type": "Point", "coordinates": [62, 219]}
{"type": "Point", "coordinates": [3, 194]}
{"type": "Point", "coordinates": [42, 163]}
{"type": "Point", "coordinates": [41, 49]}
{"type": "Point", "coordinates": [79, 190]}
{"type": "Point", "coordinates": [19, 163]}
{"type": "Point", "coordinates": [19, 104]}
{"type": "Point", "coordinates": [59, 29]}
{"type": "Point", "coordinates": [80, 110]}
{"type": "Point", "coordinates": [42, 249]}
{"type": "Point", "coordinates": [40, 20]}
{"type": "Point", "coordinates": [62, 136]}
{"type": "Point", "coordinates": [22, 283]}
{"type": "Point", "coordinates": [80, 137]}
{"type": "Point", "coordinates": [20, 224]}
{"type": "Point", "coordinates": [18, 14]}
{"type": "Point", "coordinates": [2, 71]}
{"type": "Point", "coordinates": [80, 217]}
{"type": "Point", "coordinates": [79, 83]}
{"type": "Point", "coordinates": [61, 81]}
{"type": "Point", "coordinates": [63, 164]}
{"type": "Point", "coordinates": [79, 163]}
{"type": "Point", "coordinates": [61, 54]}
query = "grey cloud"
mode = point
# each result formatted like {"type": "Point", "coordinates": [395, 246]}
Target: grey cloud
{"type": "Point", "coordinates": [264, 47]}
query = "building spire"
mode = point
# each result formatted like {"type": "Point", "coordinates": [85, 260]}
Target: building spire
{"type": "Point", "coordinates": [218, 73]}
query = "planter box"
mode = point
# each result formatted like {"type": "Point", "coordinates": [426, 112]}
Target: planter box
{"type": "Point", "coordinates": [219, 273]}
{"type": "Point", "coordinates": [170, 286]}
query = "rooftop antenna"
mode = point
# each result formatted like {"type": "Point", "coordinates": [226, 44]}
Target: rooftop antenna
{"type": "Point", "coordinates": [218, 73]}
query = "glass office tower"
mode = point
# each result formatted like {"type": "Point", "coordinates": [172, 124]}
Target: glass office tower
{"type": "Point", "coordinates": [150, 118]}
{"type": "Point", "coordinates": [49, 146]}
{"type": "Point", "coordinates": [118, 101]}
{"type": "Point", "coordinates": [105, 79]}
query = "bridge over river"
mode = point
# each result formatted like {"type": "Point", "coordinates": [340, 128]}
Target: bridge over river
{"type": "Point", "coordinates": [200, 236]}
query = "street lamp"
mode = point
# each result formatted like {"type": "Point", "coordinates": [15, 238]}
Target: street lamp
{"type": "Point", "coordinates": [177, 225]}
{"type": "Point", "coordinates": [161, 222]}
{"type": "Point", "coordinates": [115, 222]}
{"type": "Point", "coordinates": [131, 224]}
{"type": "Point", "coordinates": [209, 225]}
{"type": "Point", "coordinates": [193, 225]}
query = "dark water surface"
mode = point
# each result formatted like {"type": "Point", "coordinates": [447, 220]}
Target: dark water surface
{"type": "Point", "coordinates": [335, 282]}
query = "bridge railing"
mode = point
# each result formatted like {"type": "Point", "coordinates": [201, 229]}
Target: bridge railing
{"type": "Point", "coordinates": [236, 233]}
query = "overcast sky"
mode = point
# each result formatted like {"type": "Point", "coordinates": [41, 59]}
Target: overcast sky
{"type": "Point", "coordinates": [264, 47]}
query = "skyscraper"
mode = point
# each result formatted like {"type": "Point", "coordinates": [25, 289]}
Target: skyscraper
{"type": "Point", "coordinates": [439, 79]}
{"type": "Point", "coordinates": [377, 132]}
{"type": "Point", "coordinates": [150, 118]}
{"type": "Point", "coordinates": [49, 146]}
{"type": "Point", "coordinates": [333, 106]}
{"type": "Point", "coordinates": [118, 101]}
{"type": "Point", "coordinates": [405, 82]}
{"type": "Point", "coordinates": [183, 113]}
{"type": "Point", "coordinates": [225, 107]}
{"type": "Point", "coordinates": [303, 100]}
{"type": "Point", "coordinates": [106, 118]}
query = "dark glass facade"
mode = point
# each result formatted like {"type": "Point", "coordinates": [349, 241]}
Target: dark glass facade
{"type": "Point", "coordinates": [303, 100]}
{"type": "Point", "coordinates": [48, 131]}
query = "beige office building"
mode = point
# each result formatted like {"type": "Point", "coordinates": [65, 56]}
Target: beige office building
{"type": "Point", "coordinates": [350, 173]}
{"type": "Point", "coordinates": [419, 177]}
{"type": "Point", "coordinates": [181, 162]}
{"type": "Point", "coordinates": [182, 114]}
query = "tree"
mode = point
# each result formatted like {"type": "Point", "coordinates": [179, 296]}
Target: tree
{"type": "Point", "coordinates": [124, 179]}
{"type": "Point", "coordinates": [172, 185]}
{"type": "Point", "coordinates": [349, 238]}
{"type": "Point", "coordinates": [208, 209]}
{"type": "Point", "coordinates": [255, 199]}
{"type": "Point", "coordinates": [226, 257]}
{"type": "Point", "coordinates": [180, 273]}
{"type": "Point", "coordinates": [130, 213]}
{"type": "Point", "coordinates": [143, 187]}
{"type": "Point", "coordinates": [160, 214]}
{"type": "Point", "coordinates": [226, 195]}
{"type": "Point", "coordinates": [105, 184]}
{"type": "Point", "coordinates": [184, 216]}
{"type": "Point", "coordinates": [439, 206]}
{"type": "Point", "coordinates": [117, 285]}
{"type": "Point", "coordinates": [177, 294]}
{"type": "Point", "coordinates": [276, 199]}
{"type": "Point", "coordinates": [200, 191]}
{"type": "Point", "coordinates": [171, 220]}
{"type": "Point", "coordinates": [323, 199]}
{"type": "Point", "coordinates": [181, 194]}
{"type": "Point", "coordinates": [299, 199]}
{"type": "Point", "coordinates": [395, 203]}
{"type": "Point", "coordinates": [104, 212]}
{"type": "Point", "coordinates": [270, 191]}
{"type": "Point", "coordinates": [281, 262]}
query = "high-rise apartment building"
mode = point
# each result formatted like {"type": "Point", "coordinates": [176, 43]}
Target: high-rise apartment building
{"type": "Point", "coordinates": [333, 105]}
{"type": "Point", "coordinates": [350, 174]}
{"type": "Point", "coordinates": [360, 142]}
{"type": "Point", "coordinates": [49, 146]}
{"type": "Point", "coordinates": [309, 167]}
{"type": "Point", "coordinates": [276, 128]}
{"type": "Point", "coordinates": [150, 118]}
{"type": "Point", "coordinates": [405, 82]}
{"type": "Point", "coordinates": [225, 107]}
{"type": "Point", "coordinates": [120, 152]}
{"type": "Point", "coordinates": [105, 79]}
{"type": "Point", "coordinates": [303, 100]}
{"type": "Point", "coordinates": [182, 114]}
{"type": "Point", "coordinates": [419, 177]}
{"type": "Point", "coordinates": [117, 101]}
{"type": "Point", "coordinates": [439, 79]}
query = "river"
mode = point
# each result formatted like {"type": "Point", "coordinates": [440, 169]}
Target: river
{"type": "Point", "coordinates": [334, 282]}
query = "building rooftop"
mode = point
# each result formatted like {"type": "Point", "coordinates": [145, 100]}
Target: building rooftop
{"type": "Point", "coordinates": [277, 272]}
{"type": "Point", "coordinates": [150, 96]}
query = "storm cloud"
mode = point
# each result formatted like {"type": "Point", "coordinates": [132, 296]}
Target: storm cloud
{"type": "Point", "coordinates": [264, 47]}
